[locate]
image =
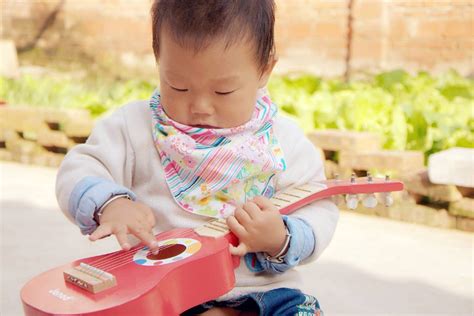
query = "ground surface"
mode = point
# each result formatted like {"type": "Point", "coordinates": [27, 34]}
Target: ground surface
{"type": "Point", "coordinates": [374, 266]}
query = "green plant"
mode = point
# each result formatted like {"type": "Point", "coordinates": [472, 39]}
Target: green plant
{"type": "Point", "coordinates": [97, 96]}
{"type": "Point", "coordinates": [418, 112]}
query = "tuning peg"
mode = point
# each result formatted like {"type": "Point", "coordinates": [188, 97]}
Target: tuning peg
{"type": "Point", "coordinates": [370, 201]}
{"type": "Point", "coordinates": [352, 201]}
{"type": "Point", "coordinates": [387, 199]}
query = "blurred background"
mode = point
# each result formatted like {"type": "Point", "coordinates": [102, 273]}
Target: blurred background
{"type": "Point", "coordinates": [379, 86]}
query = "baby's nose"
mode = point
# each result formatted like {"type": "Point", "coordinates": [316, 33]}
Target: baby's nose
{"type": "Point", "coordinates": [201, 107]}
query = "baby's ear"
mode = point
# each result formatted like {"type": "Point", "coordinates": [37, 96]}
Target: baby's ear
{"type": "Point", "coordinates": [267, 71]}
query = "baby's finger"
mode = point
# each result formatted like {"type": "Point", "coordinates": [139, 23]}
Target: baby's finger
{"type": "Point", "coordinates": [252, 210]}
{"type": "Point", "coordinates": [242, 217]}
{"type": "Point", "coordinates": [236, 227]}
{"type": "Point", "coordinates": [102, 231]}
{"type": "Point", "coordinates": [122, 239]}
{"type": "Point", "coordinates": [240, 250]}
{"type": "Point", "coordinates": [263, 202]}
{"type": "Point", "coordinates": [147, 238]}
{"type": "Point", "coordinates": [150, 218]}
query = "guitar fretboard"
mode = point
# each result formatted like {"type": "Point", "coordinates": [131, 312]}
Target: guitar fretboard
{"type": "Point", "coordinates": [290, 196]}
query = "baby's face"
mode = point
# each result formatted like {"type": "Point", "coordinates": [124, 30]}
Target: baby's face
{"type": "Point", "coordinates": [214, 88]}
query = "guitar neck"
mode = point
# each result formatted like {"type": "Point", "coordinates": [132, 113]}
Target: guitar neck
{"type": "Point", "coordinates": [289, 200]}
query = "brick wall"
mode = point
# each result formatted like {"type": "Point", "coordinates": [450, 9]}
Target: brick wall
{"type": "Point", "coordinates": [311, 35]}
{"type": "Point", "coordinates": [432, 35]}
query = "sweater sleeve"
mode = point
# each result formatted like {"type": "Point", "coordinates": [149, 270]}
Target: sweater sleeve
{"type": "Point", "coordinates": [304, 164]}
{"type": "Point", "coordinates": [92, 172]}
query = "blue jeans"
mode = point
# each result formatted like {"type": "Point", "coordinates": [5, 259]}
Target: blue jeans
{"type": "Point", "coordinates": [277, 302]}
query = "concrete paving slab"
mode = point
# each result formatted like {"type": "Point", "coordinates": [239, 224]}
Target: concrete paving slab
{"type": "Point", "coordinates": [374, 266]}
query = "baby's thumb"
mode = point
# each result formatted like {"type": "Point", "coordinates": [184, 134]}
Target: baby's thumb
{"type": "Point", "coordinates": [240, 250]}
{"type": "Point", "coordinates": [101, 232]}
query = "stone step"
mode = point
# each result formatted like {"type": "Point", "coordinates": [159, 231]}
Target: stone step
{"type": "Point", "coordinates": [9, 61]}
{"type": "Point", "coordinates": [463, 207]}
{"type": "Point", "coordinates": [399, 162]}
{"type": "Point", "coordinates": [19, 146]}
{"type": "Point", "coordinates": [5, 155]}
{"type": "Point", "coordinates": [452, 166]}
{"type": "Point", "coordinates": [419, 183]}
{"type": "Point", "coordinates": [54, 139]}
{"type": "Point", "coordinates": [332, 169]}
{"type": "Point", "coordinates": [413, 213]}
{"type": "Point", "coordinates": [48, 159]}
{"type": "Point", "coordinates": [465, 223]}
{"type": "Point", "coordinates": [336, 140]}
{"type": "Point", "coordinates": [19, 117]}
{"type": "Point", "coordinates": [78, 128]}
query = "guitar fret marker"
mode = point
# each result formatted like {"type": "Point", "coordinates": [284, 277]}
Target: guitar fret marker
{"type": "Point", "coordinates": [218, 228]}
{"type": "Point", "coordinates": [220, 224]}
{"type": "Point", "coordinates": [293, 195]}
{"type": "Point", "coordinates": [300, 189]}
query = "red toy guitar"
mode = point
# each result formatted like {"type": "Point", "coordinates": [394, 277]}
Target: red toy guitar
{"type": "Point", "coordinates": [192, 267]}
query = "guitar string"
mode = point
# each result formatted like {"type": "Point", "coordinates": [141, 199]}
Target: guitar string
{"type": "Point", "coordinates": [111, 260]}
{"type": "Point", "coordinates": [119, 257]}
{"type": "Point", "coordinates": [117, 254]}
{"type": "Point", "coordinates": [122, 257]}
{"type": "Point", "coordinates": [112, 255]}
{"type": "Point", "coordinates": [104, 263]}
{"type": "Point", "coordinates": [120, 264]}
{"type": "Point", "coordinates": [125, 255]}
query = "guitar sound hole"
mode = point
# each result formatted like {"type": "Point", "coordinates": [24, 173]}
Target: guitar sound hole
{"type": "Point", "coordinates": [167, 251]}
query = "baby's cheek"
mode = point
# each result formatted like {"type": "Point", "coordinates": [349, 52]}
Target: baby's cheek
{"type": "Point", "coordinates": [236, 114]}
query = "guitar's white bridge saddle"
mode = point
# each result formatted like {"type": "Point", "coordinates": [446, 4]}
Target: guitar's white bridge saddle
{"type": "Point", "coordinates": [89, 278]}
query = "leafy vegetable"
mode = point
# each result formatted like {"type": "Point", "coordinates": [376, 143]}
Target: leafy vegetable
{"type": "Point", "coordinates": [419, 112]}
{"type": "Point", "coordinates": [96, 96]}
{"type": "Point", "coordinates": [413, 112]}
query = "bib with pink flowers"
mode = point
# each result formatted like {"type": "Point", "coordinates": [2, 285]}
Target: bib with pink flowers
{"type": "Point", "coordinates": [210, 171]}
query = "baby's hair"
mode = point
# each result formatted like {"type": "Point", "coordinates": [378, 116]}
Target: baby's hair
{"type": "Point", "coordinates": [194, 23]}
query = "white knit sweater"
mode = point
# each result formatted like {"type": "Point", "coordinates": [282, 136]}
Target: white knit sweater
{"type": "Point", "coordinates": [121, 149]}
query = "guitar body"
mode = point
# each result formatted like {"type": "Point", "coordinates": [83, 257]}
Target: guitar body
{"type": "Point", "coordinates": [190, 270]}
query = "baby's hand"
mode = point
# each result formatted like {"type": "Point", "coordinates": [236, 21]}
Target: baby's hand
{"type": "Point", "coordinates": [259, 227]}
{"type": "Point", "coordinates": [122, 217]}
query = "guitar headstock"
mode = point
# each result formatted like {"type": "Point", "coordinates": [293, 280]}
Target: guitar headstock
{"type": "Point", "coordinates": [367, 186]}
{"type": "Point", "coordinates": [291, 199]}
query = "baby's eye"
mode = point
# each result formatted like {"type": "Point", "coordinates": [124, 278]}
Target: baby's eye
{"type": "Point", "coordinates": [224, 93]}
{"type": "Point", "coordinates": [177, 89]}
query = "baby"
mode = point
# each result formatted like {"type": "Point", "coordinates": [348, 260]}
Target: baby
{"type": "Point", "coordinates": [207, 144]}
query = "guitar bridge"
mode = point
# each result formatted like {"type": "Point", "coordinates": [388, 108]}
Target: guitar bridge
{"type": "Point", "coordinates": [89, 278]}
